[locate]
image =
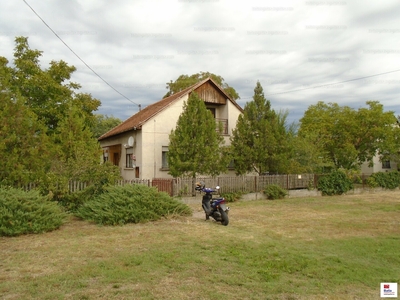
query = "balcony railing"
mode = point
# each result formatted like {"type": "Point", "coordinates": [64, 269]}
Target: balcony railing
{"type": "Point", "coordinates": [224, 124]}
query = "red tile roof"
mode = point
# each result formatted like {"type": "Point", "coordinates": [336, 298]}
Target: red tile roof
{"type": "Point", "coordinates": [138, 119]}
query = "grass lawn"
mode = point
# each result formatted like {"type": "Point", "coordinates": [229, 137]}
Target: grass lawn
{"type": "Point", "coordinates": [301, 248]}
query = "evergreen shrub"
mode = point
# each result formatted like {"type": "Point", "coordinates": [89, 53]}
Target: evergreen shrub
{"type": "Point", "coordinates": [24, 212]}
{"type": "Point", "coordinates": [119, 205]}
{"type": "Point", "coordinates": [274, 192]}
{"type": "Point", "coordinates": [232, 197]}
{"type": "Point", "coordinates": [335, 183]}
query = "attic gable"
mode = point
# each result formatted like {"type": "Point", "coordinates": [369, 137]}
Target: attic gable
{"type": "Point", "coordinates": [207, 89]}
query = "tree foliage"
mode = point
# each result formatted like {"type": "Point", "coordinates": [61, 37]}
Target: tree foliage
{"type": "Point", "coordinates": [24, 143]}
{"type": "Point", "coordinates": [46, 126]}
{"type": "Point", "coordinates": [261, 141]}
{"type": "Point", "coordinates": [347, 137]}
{"type": "Point", "coordinates": [308, 157]}
{"type": "Point", "coordinates": [195, 146]}
{"type": "Point", "coordinates": [103, 124]}
{"type": "Point", "coordinates": [48, 92]}
{"type": "Point", "coordinates": [184, 81]}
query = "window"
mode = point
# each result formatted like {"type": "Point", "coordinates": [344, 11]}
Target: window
{"type": "Point", "coordinates": [386, 164]}
{"type": "Point", "coordinates": [212, 111]}
{"type": "Point", "coordinates": [164, 163]}
{"type": "Point", "coordinates": [130, 158]}
{"type": "Point", "coordinates": [137, 173]}
{"type": "Point", "coordinates": [105, 154]}
{"type": "Point", "coordinates": [231, 165]}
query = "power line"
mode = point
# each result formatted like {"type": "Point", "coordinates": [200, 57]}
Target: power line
{"type": "Point", "coordinates": [80, 57]}
{"type": "Point", "coordinates": [327, 84]}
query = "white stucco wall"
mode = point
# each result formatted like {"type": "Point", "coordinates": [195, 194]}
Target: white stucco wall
{"type": "Point", "coordinates": [377, 167]}
{"type": "Point", "coordinates": [122, 140]}
{"type": "Point", "coordinates": [155, 134]}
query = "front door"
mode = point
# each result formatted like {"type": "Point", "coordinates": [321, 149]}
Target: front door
{"type": "Point", "coordinates": [116, 159]}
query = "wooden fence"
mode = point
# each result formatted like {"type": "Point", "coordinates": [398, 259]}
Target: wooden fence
{"type": "Point", "coordinates": [245, 184]}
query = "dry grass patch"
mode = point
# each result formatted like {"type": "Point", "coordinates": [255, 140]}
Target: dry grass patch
{"type": "Point", "coordinates": [304, 248]}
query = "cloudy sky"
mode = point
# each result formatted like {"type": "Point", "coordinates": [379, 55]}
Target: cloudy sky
{"type": "Point", "coordinates": [296, 49]}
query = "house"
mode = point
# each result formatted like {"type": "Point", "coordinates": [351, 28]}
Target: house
{"type": "Point", "coordinates": [139, 145]}
{"type": "Point", "coordinates": [379, 166]}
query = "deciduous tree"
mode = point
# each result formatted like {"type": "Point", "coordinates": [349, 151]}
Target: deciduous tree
{"type": "Point", "coordinates": [48, 92]}
{"type": "Point", "coordinates": [24, 144]}
{"type": "Point", "coordinates": [184, 81]}
{"type": "Point", "coordinates": [45, 124]}
{"type": "Point", "coordinates": [350, 137]}
{"type": "Point", "coordinates": [104, 123]}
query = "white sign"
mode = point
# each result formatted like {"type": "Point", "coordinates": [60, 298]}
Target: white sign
{"type": "Point", "coordinates": [388, 289]}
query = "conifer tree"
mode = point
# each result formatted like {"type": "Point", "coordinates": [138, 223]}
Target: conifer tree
{"type": "Point", "coordinates": [195, 146]}
{"type": "Point", "coordinates": [77, 150]}
{"type": "Point", "coordinates": [260, 142]}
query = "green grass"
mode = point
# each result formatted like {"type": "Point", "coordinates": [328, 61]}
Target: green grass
{"type": "Point", "coordinates": [305, 248]}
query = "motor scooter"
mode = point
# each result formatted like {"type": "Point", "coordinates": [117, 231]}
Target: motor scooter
{"type": "Point", "coordinates": [213, 207]}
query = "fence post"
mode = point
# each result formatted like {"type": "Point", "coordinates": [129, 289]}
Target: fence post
{"type": "Point", "coordinates": [287, 181]}
{"type": "Point", "coordinates": [315, 181]}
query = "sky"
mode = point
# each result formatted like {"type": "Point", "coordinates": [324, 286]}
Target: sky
{"type": "Point", "coordinates": [302, 52]}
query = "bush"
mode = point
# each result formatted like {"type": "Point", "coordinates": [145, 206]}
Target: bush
{"type": "Point", "coordinates": [387, 180]}
{"type": "Point", "coordinates": [274, 191]}
{"type": "Point", "coordinates": [27, 212]}
{"type": "Point", "coordinates": [335, 183]}
{"type": "Point", "coordinates": [72, 201]}
{"type": "Point", "coordinates": [57, 184]}
{"type": "Point", "coordinates": [232, 197]}
{"type": "Point", "coordinates": [354, 176]}
{"type": "Point", "coordinates": [119, 205]}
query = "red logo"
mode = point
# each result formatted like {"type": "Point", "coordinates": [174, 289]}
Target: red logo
{"type": "Point", "coordinates": [386, 286]}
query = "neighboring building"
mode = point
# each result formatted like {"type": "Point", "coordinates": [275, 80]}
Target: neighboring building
{"type": "Point", "coordinates": [379, 166]}
{"type": "Point", "coordinates": [140, 144]}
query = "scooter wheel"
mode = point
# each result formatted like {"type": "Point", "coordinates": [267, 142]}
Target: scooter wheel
{"type": "Point", "coordinates": [224, 218]}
